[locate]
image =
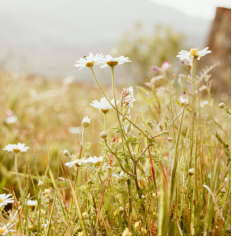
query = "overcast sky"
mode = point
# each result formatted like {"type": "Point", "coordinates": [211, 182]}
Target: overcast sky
{"type": "Point", "coordinates": [196, 8]}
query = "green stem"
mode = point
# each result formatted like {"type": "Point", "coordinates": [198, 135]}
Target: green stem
{"type": "Point", "coordinates": [105, 122]}
{"type": "Point", "coordinates": [16, 170]}
{"type": "Point", "coordinates": [114, 106]}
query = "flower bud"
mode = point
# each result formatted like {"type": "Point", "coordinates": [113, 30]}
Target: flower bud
{"type": "Point", "coordinates": [80, 233]}
{"type": "Point", "coordinates": [221, 105]}
{"type": "Point", "coordinates": [137, 224]}
{"type": "Point", "coordinates": [126, 232]}
{"type": "Point", "coordinates": [144, 230]}
{"type": "Point", "coordinates": [47, 191]}
{"type": "Point", "coordinates": [85, 122]}
{"type": "Point", "coordinates": [191, 171]}
{"type": "Point", "coordinates": [116, 212]}
{"type": "Point", "coordinates": [104, 135]}
{"type": "Point", "coordinates": [66, 152]}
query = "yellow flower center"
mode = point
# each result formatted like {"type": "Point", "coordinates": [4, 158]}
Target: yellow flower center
{"type": "Point", "coordinates": [2, 230]}
{"type": "Point", "coordinates": [112, 63]}
{"type": "Point", "coordinates": [90, 64]}
{"type": "Point", "coordinates": [194, 52]}
{"type": "Point", "coordinates": [1, 200]}
{"type": "Point", "coordinates": [16, 150]}
{"type": "Point", "coordinates": [104, 111]}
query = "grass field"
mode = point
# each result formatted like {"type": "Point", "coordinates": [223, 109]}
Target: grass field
{"type": "Point", "coordinates": [164, 166]}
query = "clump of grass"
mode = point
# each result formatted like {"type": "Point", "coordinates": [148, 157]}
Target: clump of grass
{"type": "Point", "coordinates": [119, 174]}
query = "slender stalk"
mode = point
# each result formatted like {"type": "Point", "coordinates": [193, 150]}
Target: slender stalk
{"type": "Point", "coordinates": [114, 106]}
{"type": "Point", "coordinates": [16, 170]}
{"type": "Point", "coordinates": [82, 138]}
{"type": "Point", "coordinates": [105, 122]}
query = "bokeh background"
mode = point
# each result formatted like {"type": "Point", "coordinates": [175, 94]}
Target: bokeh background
{"type": "Point", "coordinates": [43, 97]}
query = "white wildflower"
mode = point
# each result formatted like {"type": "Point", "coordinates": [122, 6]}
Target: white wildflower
{"type": "Point", "coordinates": [66, 152]}
{"type": "Point", "coordinates": [103, 105]}
{"type": "Point", "coordinates": [118, 176]}
{"type": "Point", "coordinates": [16, 148]}
{"type": "Point", "coordinates": [111, 62]}
{"type": "Point", "coordinates": [31, 203]}
{"type": "Point", "coordinates": [94, 160]}
{"type": "Point", "coordinates": [191, 171]}
{"type": "Point", "coordinates": [89, 61]}
{"type": "Point", "coordinates": [193, 53]}
{"type": "Point", "coordinates": [74, 130]}
{"type": "Point", "coordinates": [74, 162]}
{"type": "Point", "coordinates": [6, 229]}
{"type": "Point", "coordinates": [5, 199]}
{"type": "Point", "coordinates": [183, 101]}
{"type": "Point", "coordinates": [11, 120]}
{"type": "Point", "coordinates": [86, 121]}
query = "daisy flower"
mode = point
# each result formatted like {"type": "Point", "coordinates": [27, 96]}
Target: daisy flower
{"type": "Point", "coordinates": [183, 100]}
{"type": "Point", "coordinates": [77, 162]}
{"type": "Point", "coordinates": [111, 62]}
{"type": "Point", "coordinates": [16, 148]}
{"type": "Point", "coordinates": [89, 61]}
{"type": "Point", "coordinates": [5, 199]}
{"type": "Point", "coordinates": [104, 106]}
{"type": "Point", "coordinates": [86, 121]}
{"type": "Point", "coordinates": [32, 203]}
{"type": "Point", "coordinates": [193, 53]}
{"type": "Point", "coordinates": [94, 160]}
{"type": "Point", "coordinates": [40, 183]}
{"type": "Point", "coordinates": [6, 229]}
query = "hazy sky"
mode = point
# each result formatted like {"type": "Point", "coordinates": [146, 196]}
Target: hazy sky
{"type": "Point", "coordinates": [196, 8]}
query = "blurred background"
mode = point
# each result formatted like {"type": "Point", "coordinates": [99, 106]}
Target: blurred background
{"type": "Point", "coordinates": [47, 37]}
{"type": "Point", "coordinates": [43, 97]}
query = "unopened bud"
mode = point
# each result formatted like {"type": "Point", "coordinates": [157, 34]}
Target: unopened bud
{"type": "Point", "coordinates": [104, 135]}
{"type": "Point", "coordinates": [137, 224]}
{"type": "Point", "coordinates": [47, 191]}
{"type": "Point", "coordinates": [66, 152]}
{"type": "Point", "coordinates": [191, 171]}
{"type": "Point", "coordinates": [221, 105]}
{"type": "Point", "coordinates": [116, 212]}
{"type": "Point", "coordinates": [126, 232]}
{"type": "Point", "coordinates": [86, 122]}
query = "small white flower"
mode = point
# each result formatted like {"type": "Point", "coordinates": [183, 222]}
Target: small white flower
{"type": "Point", "coordinates": [74, 162]}
{"type": "Point", "coordinates": [32, 203]}
{"type": "Point", "coordinates": [74, 130]}
{"type": "Point", "coordinates": [103, 105]}
{"type": "Point", "coordinates": [193, 53]}
{"type": "Point", "coordinates": [5, 199]}
{"type": "Point", "coordinates": [111, 62]}
{"type": "Point", "coordinates": [204, 103]}
{"type": "Point", "coordinates": [86, 121]}
{"type": "Point", "coordinates": [191, 171]}
{"type": "Point", "coordinates": [66, 152]}
{"type": "Point", "coordinates": [183, 101]}
{"type": "Point", "coordinates": [6, 229]}
{"type": "Point", "coordinates": [89, 61]}
{"type": "Point", "coordinates": [16, 148]}
{"type": "Point", "coordinates": [94, 160]}
{"type": "Point", "coordinates": [40, 183]}
{"type": "Point", "coordinates": [11, 119]}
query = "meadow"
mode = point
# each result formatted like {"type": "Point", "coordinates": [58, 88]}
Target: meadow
{"type": "Point", "coordinates": [152, 159]}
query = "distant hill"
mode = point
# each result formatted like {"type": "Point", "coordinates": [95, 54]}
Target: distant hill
{"type": "Point", "coordinates": [47, 36]}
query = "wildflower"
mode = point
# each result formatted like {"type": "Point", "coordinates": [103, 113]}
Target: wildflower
{"type": "Point", "coordinates": [84, 214]}
{"type": "Point", "coordinates": [192, 54]}
{"type": "Point", "coordinates": [94, 160]}
{"type": "Point", "coordinates": [112, 62]}
{"type": "Point", "coordinates": [128, 97]}
{"type": "Point", "coordinates": [183, 101]}
{"type": "Point", "coordinates": [165, 66]}
{"type": "Point", "coordinates": [86, 121]}
{"type": "Point", "coordinates": [16, 148]}
{"type": "Point", "coordinates": [6, 229]}
{"type": "Point", "coordinates": [11, 120]}
{"type": "Point", "coordinates": [40, 183]}
{"type": "Point", "coordinates": [66, 152]}
{"type": "Point", "coordinates": [77, 162]}
{"type": "Point", "coordinates": [47, 191]}
{"type": "Point", "coordinates": [5, 199]}
{"type": "Point", "coordinates": [103, 135]}
{"type": "Point", "coordinates": [80, 233]}
{"type": "Point", "coordinates": [126, 232]}
{"type": "Point", "coordinates": [191, 171]}
{"type": "Point", "coordinates": [74, 130]}
{"type": "Point", "coordinates": [9, 113]}
{"type": "Point", "coordinates": [204, 103]}
{"type": "Point", "coordinates": [120, 175]}
{"type": "Point", "coordinates": [90, 61]}
{"type": "Point", "coordinates": [221, 105]}
{"type": "Point", "coordinates": [104, 106]}
{"type": "Point", "coordinates": [31, 203]}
